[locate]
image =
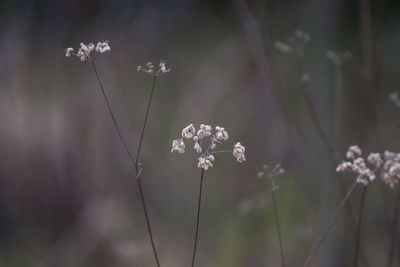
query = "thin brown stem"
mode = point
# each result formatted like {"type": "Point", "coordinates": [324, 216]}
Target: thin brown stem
{"type": "Point", "coordinates": [324, 137]}
{"type": "Point", "coordinates": [278, 228]}
{"type": "Point", "coordinates": [395, 229]}
{"type": "Point", "coordinates": [145, 118]}
{"type": "Point", "coordinates": [358, 236]}
{"type": "Point", "coordinates": [328, 227]}
{"type": "Point", "coordinates": [259, 56]}
{"type": "Point", "coordinates": [138, 168]}
{"type": "Point", "coordinates": [198, 217]}
{"type": "Point", "coordinates": [112, 114]}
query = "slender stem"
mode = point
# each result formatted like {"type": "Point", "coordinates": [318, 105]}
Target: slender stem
{"type": "Point", "coordinates": [358, 236]}
{"type": "Point", "coordinates": [145, 119]}
{"type": "Point", "coordinates": [395, 226]}
{"type": "Point", "coordinates": [112, 115]}
{"type": "Point", "coordinates": [253, 30]}
{"type": "Point", "coordinates": [335, 215]}
{"type": "Point", "coordinates": [147, 219]}
{"type": "Point", "coordinates": [278, 228]}
{"type": "Point", "coordinates": [138, 168]}
{"type": "Point", "coordinates": [198, 217]}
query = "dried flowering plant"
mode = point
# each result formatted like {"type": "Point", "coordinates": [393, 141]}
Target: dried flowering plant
{"type": "Point", "coordinates": [88, 53]}
{"type": "Point", "coordinates": [205, 143]}
{"type": "Point", "coordinates": [149, 69]}
{"type": "Point", "coordinates": [365, 175]}
{"type": "Point", "coordinates": [387, 167]}
{"type": "Point", "coordinates": [296, 46]}
{"type": "Point", "coordinates": [270, 173]}
{"type": "Point", "coordinates": [85, 51]}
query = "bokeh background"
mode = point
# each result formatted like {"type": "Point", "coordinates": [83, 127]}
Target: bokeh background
{"type": "Point", "coordinates": [68, 195]}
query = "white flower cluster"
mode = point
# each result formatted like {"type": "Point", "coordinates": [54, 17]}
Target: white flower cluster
{"type": "Point", "coordinates": [338, 58]}
{"type": "Point", "coordinates": [149, 69]}
{"type": "Point", "coordinates": [85, 50]}
{"type": "Point", "coordinates": [295, 43]}
{"type": "Point", "coordinates": [394, 97]}
{"type": "Point", "coordinates": [365, 174]}
{"type": "Point", "coordinates": [206, 159]}
{"type": "Point", "coordinates": [389, 166]}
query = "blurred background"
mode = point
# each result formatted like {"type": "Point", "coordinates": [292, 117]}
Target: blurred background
{"type": "Point", "coordinates": [68, 195]}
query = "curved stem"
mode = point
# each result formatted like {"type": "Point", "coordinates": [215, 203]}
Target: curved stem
{"type": "Point", "coordinates": [198, 217]}
{"type": "Point", "coordinates": [328, 227]}
{"type": "Point", "coordinates": [358, 236]}
{"type": "Point", "coordinates": [395, 226]}
{"type": "Point", "coordinates": [278, 228]}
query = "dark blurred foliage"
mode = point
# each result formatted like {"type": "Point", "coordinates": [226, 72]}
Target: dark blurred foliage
{"type": "Point", "coordinates": [68, 194]}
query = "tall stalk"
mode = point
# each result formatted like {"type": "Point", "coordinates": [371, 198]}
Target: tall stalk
{"type": "Point", "coordinates": [134, 162]}
{"type": "Point", "coordinates": [331, 147]}
{"type": "Point", "coordinates": [278, 228]}
{"type": "Point", "coordinates": [328, 227]}
{"type": "Point", "coordinates": [358, 236]}
{"type": "Point", "coordinates": [198, 217]}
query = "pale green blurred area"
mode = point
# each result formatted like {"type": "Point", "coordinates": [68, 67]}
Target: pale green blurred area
{"type": "Point", "coordinates": [68, 195]}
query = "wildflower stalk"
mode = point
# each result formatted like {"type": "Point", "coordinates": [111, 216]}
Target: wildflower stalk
{"type": "Point", "coordinates": [323, 136]}
{"type": "Point", "coordinates": [265, 70]}
{"type": "Point", "coordinates": [138, 169]}
{"type": "Point", "coordinates": [198, 217]}
{"type": "Point", "coordinates": [325, 139]}
{"type": "Point", "coordinates": [328, 227]}
{"type": "Point", "coordinates": [134, 162]}
{"type": "Point", "coordinates": [145, 118]}
{"type": "Point", "coordinates": [395, 226]}
{"type": "Point", "coordinates": [358, 236]}
{"type": "Point", "coordinates": [278, 227]}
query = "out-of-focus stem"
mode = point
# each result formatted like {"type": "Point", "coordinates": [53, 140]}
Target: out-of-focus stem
{"type": "Point", "coordinates": [278, 228]}
{"type": "Point", "coordinates": [358, 236]}
{"type": "Point", "coordinates": [328, 227]}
